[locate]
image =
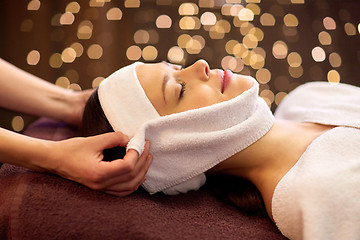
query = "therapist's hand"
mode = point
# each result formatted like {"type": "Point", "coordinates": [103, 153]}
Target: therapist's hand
{"type": "Point", "coordinates": [80, 160]}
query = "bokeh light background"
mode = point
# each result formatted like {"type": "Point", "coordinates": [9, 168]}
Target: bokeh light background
{"type": "Point", "coordinates": [283, 43]}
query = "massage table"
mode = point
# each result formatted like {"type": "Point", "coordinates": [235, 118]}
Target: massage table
{"type": "Point", "coordinates": [45, 206]}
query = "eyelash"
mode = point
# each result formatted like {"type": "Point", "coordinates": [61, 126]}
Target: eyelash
{"type": "Point", "coordinates": [183, 89]}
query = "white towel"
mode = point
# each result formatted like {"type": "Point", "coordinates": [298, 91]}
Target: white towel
{"type": "Point", "coordinates": [184, 145]}
{"type": "Point", "coordinates": [319, 197]}
{"type": "Point", "coordinates": [124, 101]}
{"type": "Point", "coordinates": [322, 102]}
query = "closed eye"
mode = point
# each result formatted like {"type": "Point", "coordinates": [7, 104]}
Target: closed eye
{"type": "Point", "coordinates": [183, 89]}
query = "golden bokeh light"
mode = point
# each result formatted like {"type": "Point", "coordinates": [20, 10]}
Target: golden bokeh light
{"type": "Point", "coordinates": [250, 41]}
{"type": "Point", "coordinates": [333, 76]}
{"type": "Point", "coordinates": [208, 18]}
{"type": "Point", "coordinates": [132, 3]}
{"type": "Point", "coordinates": [297, 1]}
{"type": "Point", "coordinates": [335, 59]}
{"type": "Point", "coordinates": [324, 38]}
{"type": "Point", "coordinates": [246, 14]}
{"type": "Point", "coordinates": [350, 29]}
{"type": "Point", "coordinates": [153, 36]}
{"type": "Point", "coordinates": [183, 39]}
{"type": "Point", "coordinates": [263, 75]}
{"type": "Point", "coordinates": [17, 123]}
{"type": "Point", "coordinates": [163, 21]}
{"type": "Point", "coordinates": [245, 28]}
{"type": "Point", "coordinates": [33, 5]}
{"type": "Point", "coordinates": [141, 36]}
{"type": "Point", "coordinates": [72, 7]}
{"type": "Point", "coordinates": [329, 23]}
{"type": "Point", "coordinates": [188, 9]}
{"type": "Point", "coordinates": [67, 18]}
{"type": "Point", "coordinates": [257, 61]}
{"type": "Point", "coordinates": [95, 51]}
{"type": "Point", "coordinates": [149, 53]}
{"type": "Point", "coordinates": [268, 96]}
{"type": "Point", "coordinates": [55, 60]}
{"type": "Point", "coordinates": [206, 3]}
{"type": "Point", "coordinates": [254, 8]}
{"type": "Point", "coordinates": [294, 59]}
{"type": "Point", "coordinates": [280, 50]}
{"type": "Point", "coordinates": [258, 33]}
{"type": "Point", "coordinates": [296, 72]}
{"type": "Point", "coordinates": [96, 3]}
{"type": "Point", "coordinates": [114, 14]}
{"type": "Point", "coordinates": [267, 19]}
{"type": "Point", "coordinates": [253, 1]}
{"type": "Point", "coordinates": [232, 63]}
{"type": "Point", "coordinates": [33, 57]}
{"type": "Point", "coordinates": [75, 87]}
{"type": "Point", "coordinates": [68, 55]}
{"type": "Point", "coordinates": [195, 44]}
{"type": "Point", "coordinates": [63, 82]}
{"type": "Point", "coordinates": [79, 49]}
{"type": "Point", "coordinates": [96, 82]}
{"type": "Point", "coordinates": [290, 20]}
{"type": "Point", "coordinates": [239, 50]}
{"type": "Point", "coordinates": [231, 9]}
{"type": "Point", "coordinates": [189, 23]}
{"type": "Point", "coordinates": [176, 55]}
{"type": "Point", "coordinates": [85, 30]}
{"type": "Point", "coordinates": [279, 97]}
{"type": "Point", "coordinates": [318, 54]}
{"type": "Point", "coordinates": [229, 46]}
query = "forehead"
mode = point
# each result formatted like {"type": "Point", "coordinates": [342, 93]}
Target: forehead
{"type": "Point", "coordinates": [149, 73]}
{"type": "Point", "coordinates": [150, 76]}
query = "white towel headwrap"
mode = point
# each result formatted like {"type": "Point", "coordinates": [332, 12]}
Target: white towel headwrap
{"type": "Point", "coordinates": [184, 145]}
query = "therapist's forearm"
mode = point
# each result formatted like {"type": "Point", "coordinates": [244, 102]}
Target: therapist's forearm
{"type": "Point", "coordinates": [23, 92]}
{"type": "Point", "coordinates": [20, 150]}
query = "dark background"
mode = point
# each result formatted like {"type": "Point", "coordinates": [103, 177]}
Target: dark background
{"type": "Point", "coordinates": [25, 27]}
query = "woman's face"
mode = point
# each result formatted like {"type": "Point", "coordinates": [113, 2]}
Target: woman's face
{"type": "Point", "coordinates": [172, 89]}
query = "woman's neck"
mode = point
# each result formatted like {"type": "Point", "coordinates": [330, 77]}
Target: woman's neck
{"type": "Point", "coordinates": [266, 161]}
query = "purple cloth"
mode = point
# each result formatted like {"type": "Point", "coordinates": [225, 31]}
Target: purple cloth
{"type": "Point", "coordinates": [44, 206]}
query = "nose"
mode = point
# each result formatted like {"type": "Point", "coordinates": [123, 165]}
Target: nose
{"type": "Point", "coordinates": [200, 69]}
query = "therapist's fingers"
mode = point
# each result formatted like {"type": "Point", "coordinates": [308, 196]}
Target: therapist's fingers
{"type": "Point", "coordinates": [127, 168]}
{"type": "Point", "coordinates": [110, 140]}
{"type": "Point", "coordinates": [131, 178]}
{"type": "Point", "coordinates": [119, 185]}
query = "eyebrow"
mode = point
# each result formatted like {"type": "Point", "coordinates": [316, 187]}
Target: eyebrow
{"type": "Point", "coordinates": [164, 82]}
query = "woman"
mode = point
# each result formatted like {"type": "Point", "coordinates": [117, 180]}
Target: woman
{"type": "Point", "coordinates": [276, 159]}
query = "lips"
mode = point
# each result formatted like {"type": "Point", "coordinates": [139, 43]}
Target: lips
{"type": "Point", "coordinates": [227, 75]}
